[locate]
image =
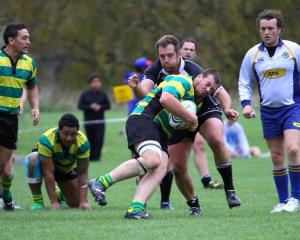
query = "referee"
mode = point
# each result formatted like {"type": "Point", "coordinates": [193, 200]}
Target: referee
{"type": "Point", "coordinates": [17, 70]}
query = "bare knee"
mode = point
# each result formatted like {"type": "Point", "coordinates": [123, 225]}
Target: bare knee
{"type": "Point", "coordinates": [216, 143]}
{"type": "Point", "coordinates": [292, 150]}
{"type": "Point", "coordinates": [277, 158]}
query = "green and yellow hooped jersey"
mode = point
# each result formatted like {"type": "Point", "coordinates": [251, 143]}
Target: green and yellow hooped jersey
{"type": "Point", "coordinates": [181, 86]}
{"type": "Point", "coordinates": [12, 80]}
{"type": "Point", "coordinates": [49, 146]}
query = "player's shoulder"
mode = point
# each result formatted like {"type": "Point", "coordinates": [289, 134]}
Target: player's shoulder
{"type": "Point", "coordinates": [192, 68]}
{"type": "Point", "coordinates": [253, 50]}
{"type": "Point", "coordinates": [291, 44]}
{"type": "Point", "coordinates": [48, 137]}
{"type": "Point", "coordinates": [81, 136]}
{"type": "Point", "coordinates": [29, 59]}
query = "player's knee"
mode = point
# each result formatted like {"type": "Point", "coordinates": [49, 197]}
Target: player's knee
{"type": "Point", "coordinates": [217, 143]}
{"type": "Point", "coordinates": [277, 158]}
{"type": "Point", "coordinates": [292, 150]}
{"type": "Point", "coordinates": [179, 168]}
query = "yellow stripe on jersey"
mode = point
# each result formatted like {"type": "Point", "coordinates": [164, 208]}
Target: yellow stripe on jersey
{"type": "Point", "coordinates": [10, 102]}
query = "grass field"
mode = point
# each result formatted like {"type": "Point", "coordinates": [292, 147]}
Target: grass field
{"type": "Point", "coordinates": [252, 178]}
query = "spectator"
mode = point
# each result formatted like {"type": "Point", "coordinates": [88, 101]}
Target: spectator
{"type": "Point", "coordinates": [236, 141]}
{"type": "Point", "coordinates": [93, 102]}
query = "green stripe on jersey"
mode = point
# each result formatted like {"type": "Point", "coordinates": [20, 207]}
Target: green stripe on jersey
{"type": "Point", "coordinates": [11, 92]}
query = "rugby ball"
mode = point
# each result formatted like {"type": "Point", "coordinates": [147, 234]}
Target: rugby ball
{"type": "Point", "coordinates": [176, 122]}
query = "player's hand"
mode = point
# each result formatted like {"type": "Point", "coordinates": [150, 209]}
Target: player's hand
{"type": "Point", "coordinates": [84, 206]}
{"type": "Point", "coordinates": [231, 114]}
{"type": "Point", "coordinates": [133, 81]}
{"type": "Point", "coordinates": [193, 124]}
{"type": "Point", "coordinates": [35, 116]}
{"type": "Point", "coordinates": [55, 206]}
{"type": "Point", "coordinates": [21, 109]}
{"type": "Point", "coordinates": [249, 112]}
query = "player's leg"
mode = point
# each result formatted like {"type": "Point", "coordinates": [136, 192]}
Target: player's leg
{"type": "Point", "coordinates": [70, 192]}
{"type": "Point", "coordinates": [179, 155]}
{"type": "Point", "coordinates": [6, 175]}
{"type": "Point", "coordinates": [34, 177]}
{"type": "Point", "coordinates": [292, 137]}
{"type": "Point", "coordinates": [148, 183]}
{"type": "Point", "coordinates": [202, 163]}
{"type": "Point", "coordinates": [280, 173]}
{"type": "Point", "coordinates": [212, 131]}
{"type": "Point", "coordinates": [165, 188]}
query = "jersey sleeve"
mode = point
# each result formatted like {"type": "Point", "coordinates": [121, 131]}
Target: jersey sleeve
{"type": "Point", "coordinates": [32, 80]}
{"type": "Point", "coordinates": [246, 78]}
{"type": "Point", "coordinates": [84, 147]}
{"type": "Point", "coordinates": [44, 147]}
{"type": "Point", "coordinates": [177, 85]}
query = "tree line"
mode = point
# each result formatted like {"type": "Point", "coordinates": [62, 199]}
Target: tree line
{"type": "Point", "coordinates": [72, 39]}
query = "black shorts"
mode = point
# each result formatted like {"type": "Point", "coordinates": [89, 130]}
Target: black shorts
{"type": "Point", "coordinates": [59, 176]}
{"type": "Point", "coordinates": [141, 128]}
{"type": "Point", "coordinates": [8, 130]}
{"type": "Point", "coordinates": [209, 110]}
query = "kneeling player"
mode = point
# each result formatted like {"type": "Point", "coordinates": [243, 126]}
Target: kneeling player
{"type": "Point", "coordinates": [62, 157]}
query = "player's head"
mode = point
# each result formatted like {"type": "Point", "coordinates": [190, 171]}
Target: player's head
{"type": "Point", "coordinates": [141, 63]}
{"type": "Point", "coordinates": [17, 37]}
{"type": "Point", "coordinates": [270, 23]}
{"type": "Point", "coordinates": [188, 48]}
{"type": "Point", "coordinates": [206, 82]}
{"type": "Point", "coordinates": [167, 48]}
{"type": "Point", "coordinates": [68, 127]}
{"type": "Point", "coordinates": [95, 82]}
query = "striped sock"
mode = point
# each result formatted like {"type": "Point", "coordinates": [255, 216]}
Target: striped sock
{"type": "Point", "coordinates": [294, 174]}
{"type": "Point", "coordinates": [37, 197]}
{"type": "Point", "coordinates": [135, 207]}
{"type": "Point", "coordinates": [6, 184]}
{"type": "Point", "coordinates": [105, 181]}
{"type": "Point", "coordinates": [282, 184]}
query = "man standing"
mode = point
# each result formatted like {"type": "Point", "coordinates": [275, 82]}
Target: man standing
{"type": "Point", "coordinates": [209, 120]}
{"type": "Point", "coordinates": [275, 65]}
{"type": "Point", "coordinates": [147, 132]}
{"type": "Point", "coordinates": [94, 102]}
{"type": "Point", "coordinates": [62, 156]}
{"type": "Point", "coordinates": [17, 70]}
{"type": "Point", "coordinates": [188, 50]}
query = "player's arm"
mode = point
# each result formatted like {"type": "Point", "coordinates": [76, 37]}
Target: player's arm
{"type": "Point", "coordinates": [226, 104]}
{"type": "Point", "coordinates": [246, 78]}
{"type": "Point", "coordinates": [140, 89]}
{"type": "Point", "coordinates": [23, 100]}
{"type": "Point", "coordinates": [173, 105]}
{"type": "Point", "coordinates": [33, 98]}
{"type": "Point", "coordinates": [82, 168]}
{"type": "Point", "coordinates": [48, 174]}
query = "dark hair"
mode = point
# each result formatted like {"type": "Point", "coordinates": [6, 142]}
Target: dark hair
{"type": "Point", "coordinates": [214, 73]}
{"type": "Point", "coordinates": [11, 30]}
{"type": "Point", "coordinates": [189, 39]}
{"type": "Point", "coordinates": [92, 77]}
{"type": "Point", "coordinates": [271, 14]}
{"type": "Point", "coordinates": [165, 40]}
{"type": "Point", "coordinates": [68, 120]}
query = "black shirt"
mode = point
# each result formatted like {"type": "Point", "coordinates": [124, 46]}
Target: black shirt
{"type": "Point", "coordinates": [89, 97]}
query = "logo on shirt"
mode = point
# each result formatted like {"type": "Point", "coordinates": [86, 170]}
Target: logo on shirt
{"type": "Point", "coordinates": [296, 124]}
{"type": "Point", "coordinates": [274, 73]}
{"type": "Point", "coordinates": [261, 59]}
{"type": "Point", "coordinates": [285, 55]}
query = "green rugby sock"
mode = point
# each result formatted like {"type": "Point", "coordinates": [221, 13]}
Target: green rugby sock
{"type": "Point", "coordinates": [135, 207]}
{"type": "Point", "coordinates": [37, 197]}
{"type": "Point", "coordinates": [105, 181]}
{"type": "Point", "coordinates": [6, 184]}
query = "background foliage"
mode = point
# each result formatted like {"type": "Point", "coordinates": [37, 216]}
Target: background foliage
{"type": "Point", "coordinates": [72, 39]}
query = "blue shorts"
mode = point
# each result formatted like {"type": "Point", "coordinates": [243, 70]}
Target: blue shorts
{"type": "Point", "coordinates": [276, 120]}
{"type": "Point", "coordinates": [34, 174]}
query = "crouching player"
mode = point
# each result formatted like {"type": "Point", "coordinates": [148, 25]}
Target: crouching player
{"type": "Point", "coordinates": [63, 157]}
{"type": "Point", "coordinates": [147, 130]}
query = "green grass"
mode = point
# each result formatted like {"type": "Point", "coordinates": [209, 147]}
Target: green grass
{"type": "Point", "coordinates": [252, 178]}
